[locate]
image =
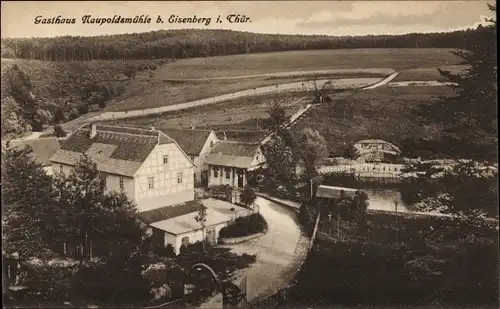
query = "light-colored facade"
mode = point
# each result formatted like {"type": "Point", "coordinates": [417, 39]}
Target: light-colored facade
{"type": "Point", "coordinates": [375, 150]}
{"type": "Point", "coordinates": [164, 177]}
{"type": "Point", "coordinates": [230, 163]}
{"type": "Point", "coordinates": [197, 145]}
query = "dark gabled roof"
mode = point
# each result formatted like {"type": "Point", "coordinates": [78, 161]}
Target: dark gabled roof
{"type": "Point", "coordinates": [233, 154]}
{"type": "Point", "coordinates": [43, 148]}
{"type": "Point", "coordinates": [190, 140]}
{"type": "Point", "coordinates": [116, 150]}
{"type": "Point", "coordinates": [169, 212]}
{"type": "Point", "coordinates": [244, 136]}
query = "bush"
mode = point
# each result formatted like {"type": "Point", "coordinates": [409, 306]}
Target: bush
{"type": "Point", "coordinates": [244, 226]}
{"type": "Point", "coordinates": [83, 109]}
{"type": "Point", "coordinates": [58, 131]}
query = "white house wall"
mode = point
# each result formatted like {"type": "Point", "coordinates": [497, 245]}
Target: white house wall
{"type": "Point", "coordinates": [194, 236]}
{"type": "Point", "coordinates": [113, 184]}
{"type": "Point", "coordinates": [258, 159]}
{"type": "Point", "coordinates": [166, 191]}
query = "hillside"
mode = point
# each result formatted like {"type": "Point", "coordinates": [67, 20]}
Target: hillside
{"type": "Point", "coordinates": [191, 43]}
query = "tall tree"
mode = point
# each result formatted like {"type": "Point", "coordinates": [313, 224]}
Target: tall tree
{"type": "Point", "coordinates": [472, 114]}
{"type": "Point", "coordinates": [280, 160]}
{"type": "Point", "coordinates": [278, 115]}
{"type": "Point", "coordinates": [26, 204]}
{"type": "Point", "coordinates": [310, 147]}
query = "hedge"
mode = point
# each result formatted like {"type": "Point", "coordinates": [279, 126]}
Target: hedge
{"type": "Point", "coordinates": [244, 226]}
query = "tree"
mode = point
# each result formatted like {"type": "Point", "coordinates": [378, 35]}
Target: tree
{"type": "Point", "coordinates": [278, 116]}
{"type": "Point", "coordinates": [248, 196]}
{"type": "Point", "coordinates": [59, 116]}
{"type": "Point", "coordinates": [201, 218]}
{"type": "Point", "coordinates": [58, 131]}
{"type": "Point", "coordinates": [351, 152]}
{"type": "Point", "coordinates": [280, 160]}
{"type": "Point", "coordinates": [472, 113]}
{"type": "Point", "coordinates": [26, 204]}
{"type": "Point", "coordinates": [13, 121]}
{"type": "Point", "coordinates": [310, 147]}
{"type": "Point", "coordinates": [91, 216]}
{"type": "Point", "coordinates": [320, 92]}
{"type": "Point", "coordinates": [130, 71]}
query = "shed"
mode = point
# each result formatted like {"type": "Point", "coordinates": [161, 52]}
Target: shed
{"type": "Point", "coordinates": [331, 192]}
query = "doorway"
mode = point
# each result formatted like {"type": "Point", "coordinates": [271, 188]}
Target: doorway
{"type": "Point", "coordinates": [240, 179]}
{"type": "Point", "coordinates": [211, 237]}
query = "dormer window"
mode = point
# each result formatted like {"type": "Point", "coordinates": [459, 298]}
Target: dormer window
{"type": "Point", "coordinates": [211, 144]}
{"type": "Point", "coordinates": [165, 159]}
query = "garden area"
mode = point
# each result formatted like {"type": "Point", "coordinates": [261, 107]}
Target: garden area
{"type": "Point", "coordinates": [244, 226]}
{"type": "Point", "coordinates": [381, 259]}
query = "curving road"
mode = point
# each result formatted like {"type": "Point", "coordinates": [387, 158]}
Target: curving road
{"type": "Point", "coordinates": [343, 83]}
{"type": "Point", "coordinates": [278, 254]}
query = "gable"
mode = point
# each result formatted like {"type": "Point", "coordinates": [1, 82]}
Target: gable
{"type": "Point", "coordinates": [191, 141]}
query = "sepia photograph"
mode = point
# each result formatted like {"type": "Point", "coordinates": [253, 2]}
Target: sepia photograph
{"type": "Point", "coordinates": [249, 154]}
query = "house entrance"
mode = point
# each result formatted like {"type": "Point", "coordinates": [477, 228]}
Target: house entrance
{"type": "Point", "coordinates": [240, 179]}
{"type": "Point", "coordinates": [211, 237]}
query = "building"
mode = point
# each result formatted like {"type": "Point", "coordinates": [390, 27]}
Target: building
{"type": "Point", "coordinates": [196, 144]}
{"type": "Point", "coordinates": [42, 150]}
{"type": "Point", "coordinates": [376, 150]}
{"type": "Point", "coordinates": [154, 171]}
{"type": "Point", "coordinates": [148, 165]}
{"type": "Point", "coordinates": [234, 163]}
{"type": "Point", "coordinates": [245, 136]}
{"type": "Point", "coordinates": [177, 226]}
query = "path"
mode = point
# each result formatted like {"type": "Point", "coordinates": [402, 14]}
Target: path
{"type": "Point", "coordinates": [277, 257]}
{"type": "Point", "coordinates": [340, 72]}
{"type": "Point", "coordinates": [344, 83]}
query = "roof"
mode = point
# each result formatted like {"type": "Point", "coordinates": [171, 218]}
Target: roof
{"type": "Point", "coordinates": [43, 148]}
{"type": "Point", "coordinates": [190, 140]}
{"type": "Point", "coordinates": [233, 154]}
{"type": "Point", "coordinates": [168, 212]}
{"type": "Point", "coordinates": [245, 136]}
{"type": "Point", "coordinates": [377, 141]}
{"type": "Point", "coordinates": [334, 192]}
{"type": "Point", "coordinates": [187, 222]}
{"type": "Point", "coordinates": [115, 150]}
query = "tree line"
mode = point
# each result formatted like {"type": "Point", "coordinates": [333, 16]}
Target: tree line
{"type": "Point", "coordinates": [190, 43]}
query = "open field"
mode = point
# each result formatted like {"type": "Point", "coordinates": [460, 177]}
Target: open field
{"type": "Point", "coordinates": [145, 93]}
{"type": "Point", "coordinates": [428, 74]}
{"type": "Point", "coordinates": [254, 64]}
{"type": "Point", "coordinates": [242, 114]}
{"type": "Point", "coordinates": [385, 113]}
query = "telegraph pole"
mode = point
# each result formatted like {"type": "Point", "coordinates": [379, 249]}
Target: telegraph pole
{"type": "Point", "coordinates": [397, 227]}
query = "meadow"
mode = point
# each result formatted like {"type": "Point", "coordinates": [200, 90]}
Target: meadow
{"type": "Point", "coordinates": [264, 63]}
{"type": "Point", "coordinates": [249, 113]}
{"type": "Point", "coordinates": [428, 74]}
{"type": "Point", "coordinates": [386, 113]}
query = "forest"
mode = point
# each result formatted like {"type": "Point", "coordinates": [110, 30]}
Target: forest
{"type": "Point", "coordinates": [190, 43]}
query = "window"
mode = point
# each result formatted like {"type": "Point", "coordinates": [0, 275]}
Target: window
{"type": "Point", "coordinates": [228, 173]}
{"type": "Point", "coordinates": [105, 181]}
{"type": "Point", "coordinates": [211, 144]}
{"type": "Point", "coordinates": [216, 172]}
{"type": "Point", "coordinates": [121, 183]}
{"type": "Point", "coordinates": [151, 182]}
{"type": "Point", "coordinates": [185, 240]}
{"type": "Point", "coordinates": [165, 159]}
{"type": "Point", "coordinates": [61, 168]}
{"type": "Point", "coordinates": [179, 177]}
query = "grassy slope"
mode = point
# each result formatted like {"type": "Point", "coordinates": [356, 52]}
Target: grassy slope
{"type": "Point", "coordinates": [238, 114]}
{"type": "Point", "coordinates": [428, 73]}
{"type": "Point", "coordinates": [61, 81]}
{"type": "Point", "coordinates": [54, 80]}
{"type": "Point", "coordinates": [237, 65]}
{"type": "Point", "coordinates": [385, 112]}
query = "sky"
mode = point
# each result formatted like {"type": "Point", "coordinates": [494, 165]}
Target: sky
{"type": "Point", "coordinates": [285, 17]}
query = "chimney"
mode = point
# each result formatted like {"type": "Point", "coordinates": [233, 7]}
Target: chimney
{"type": "Point", "coordinates": [93, 130]}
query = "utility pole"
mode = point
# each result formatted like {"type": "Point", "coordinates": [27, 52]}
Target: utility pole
{"type": "Point", "coordinates": [311, 188]}
{"type": "Point", "coordinates": [397, 227]}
